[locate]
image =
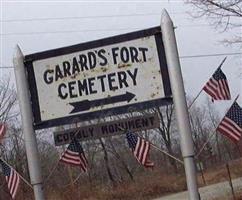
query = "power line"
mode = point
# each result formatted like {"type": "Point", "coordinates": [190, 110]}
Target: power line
{"type": "Point", "coordinates": [89, 30]}
{"type": "Point", "coordinates": [85, 17]}
{"type": "Point", "coordinates": [181, 57]}
{"type": "Point", "coordinates": [6, 67]}
{"type": "Point", "coordinates": [68, 31]}
{"type": "Point", "coordinates": [211, 55]}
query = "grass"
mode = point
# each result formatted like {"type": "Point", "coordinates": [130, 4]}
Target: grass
{"type": "Point", "coordinates": [149, 185]}
{"type": "Point", "coordinates": [152, 185]}
{"type": "Point", "coordinates": [219, 173]}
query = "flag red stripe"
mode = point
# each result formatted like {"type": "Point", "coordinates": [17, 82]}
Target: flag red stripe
{"type": "Point", "coordinates": [149, 163]}
{"type": "Point", "coordinates": [70, 157]}
{"type": "Point", "coordinates": [141, 152]}
{"type": "Point", "coordinates": [83, 159]}
{"type": "Point", "coordinates": [74, 158]}
{"type": "Point", "coordinates": [83, 162]}
{"type": "Point", "coordinates": [233, 125]}
{"type": "Point", "coordinates": [211, 85]}
{"type": "Point", "coordinates": [68, 161]}
{"type": "Point", "coordinates": [211, 88]}
{"type": "Point", "coordinates": [218, 90]}
{"type": "Point", "coordinates": [145, 153]}
{"type": "Point", "coordinates": [223, 87]}
{"type": "Point", "coordinates": [16, 186]}
{"type": "Point", "coordinates": [215, 88]}
{"type": "Point", "coordinates": [228, 134]}
{"type": "Point", "coordinates": [13, 183]}
{"type": "Point", "coordinates": [138, 149]}
{"type": "Point", "coordinates": [2, 131]}
{"type": "Point", "coordinates": [230, 129]}
{"type": "Point", "coordinates": [226, 88]}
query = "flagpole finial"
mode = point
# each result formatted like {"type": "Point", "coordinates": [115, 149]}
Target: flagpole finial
{"type": "Point", "coordinates": [236, 98]}
{"type": "Point", "coordinates": [222, 62]}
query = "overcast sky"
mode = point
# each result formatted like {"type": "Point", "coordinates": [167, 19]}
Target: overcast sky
{"type": "Point", "coordinates": [42, 25]}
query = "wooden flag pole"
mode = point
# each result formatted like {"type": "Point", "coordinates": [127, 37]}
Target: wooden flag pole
{"type": "Point", "coordinates": [74, 181]}
{"type": "Point", "coordinates": [51, 172]}
{"type": "Point", "coordinates": [205, 144]}
{"type": "Point", "coordinates": [202, 88]}
{"type": "Point", "coordinates": [54, 168]}
{"type": "Point", "coordinates": [167, 153]}
{"type": "Point", "coordinates": [195, 99]}
{"type": "Point", "coordinates": [19, 175]}
{"type": "Point", "coordinates": [200, 151]}
{"type": "Point", "coordinates": [230, 181]}
{"type": "Point", "coordinates": [68, 167]}
{"type": "Point", "coordinates": [125, 130]}
{"type": "Point", "coordinates": [69, 172]}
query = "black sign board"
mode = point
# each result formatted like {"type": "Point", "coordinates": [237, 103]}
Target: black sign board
{"type": "Point", "coordinates": [107, 129]}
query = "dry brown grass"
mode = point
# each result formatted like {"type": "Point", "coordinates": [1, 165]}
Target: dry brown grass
{"type": "Point", "coordinates": [149, 185]}
{"type": "Point", "coordinates": [155, 184]}
{"type": "Point", "coordinates": [219, 173]}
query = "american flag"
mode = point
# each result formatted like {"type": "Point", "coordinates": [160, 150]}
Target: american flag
{"type": "Point", "coordinates": [2, 131]}
{"type": "Point", "coordinates": [231, 125]}
{"type": "Point", "coordinates": [12, 178]}
{"type": "Point", "coordinates": [140, 149]}
{"type": "Point", "coordinates": [217, 86]}
{"type": "Point", "coordinates": [74, 155]}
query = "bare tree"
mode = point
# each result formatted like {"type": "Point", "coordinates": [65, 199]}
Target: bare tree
{"type": "Point", "coordinates": [166, 119]}
{"type": "Point", "coordinates": [119, 157]}
{"type": "Point", "coordinates": [8, 99]}
{"type": "Point", "coordinates": [201, 129]}
{"type": "Point", "coordinates": [107, 162]}
{"type": "Point", "coordinates": [224, 15]}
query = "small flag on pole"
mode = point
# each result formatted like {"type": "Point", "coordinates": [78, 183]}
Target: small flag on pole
{"type": "Point", "coordinates": [74, 155]}
{"type": "Point", "coordinates": [231, 125]}
{"type": "Point", "coordinates": [12, 178]}
{"type": "Point", "coordinates": [2, 131]}
{"type": "Point", "coordinates": [217, 86]}
{"type": "Point", "coordinates": [140, 148]}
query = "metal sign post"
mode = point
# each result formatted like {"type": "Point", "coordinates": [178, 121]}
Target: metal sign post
{"type": "Point", "coordinates": [27, 118]}
{"type": "Point", "coordinates": [178, 92]}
